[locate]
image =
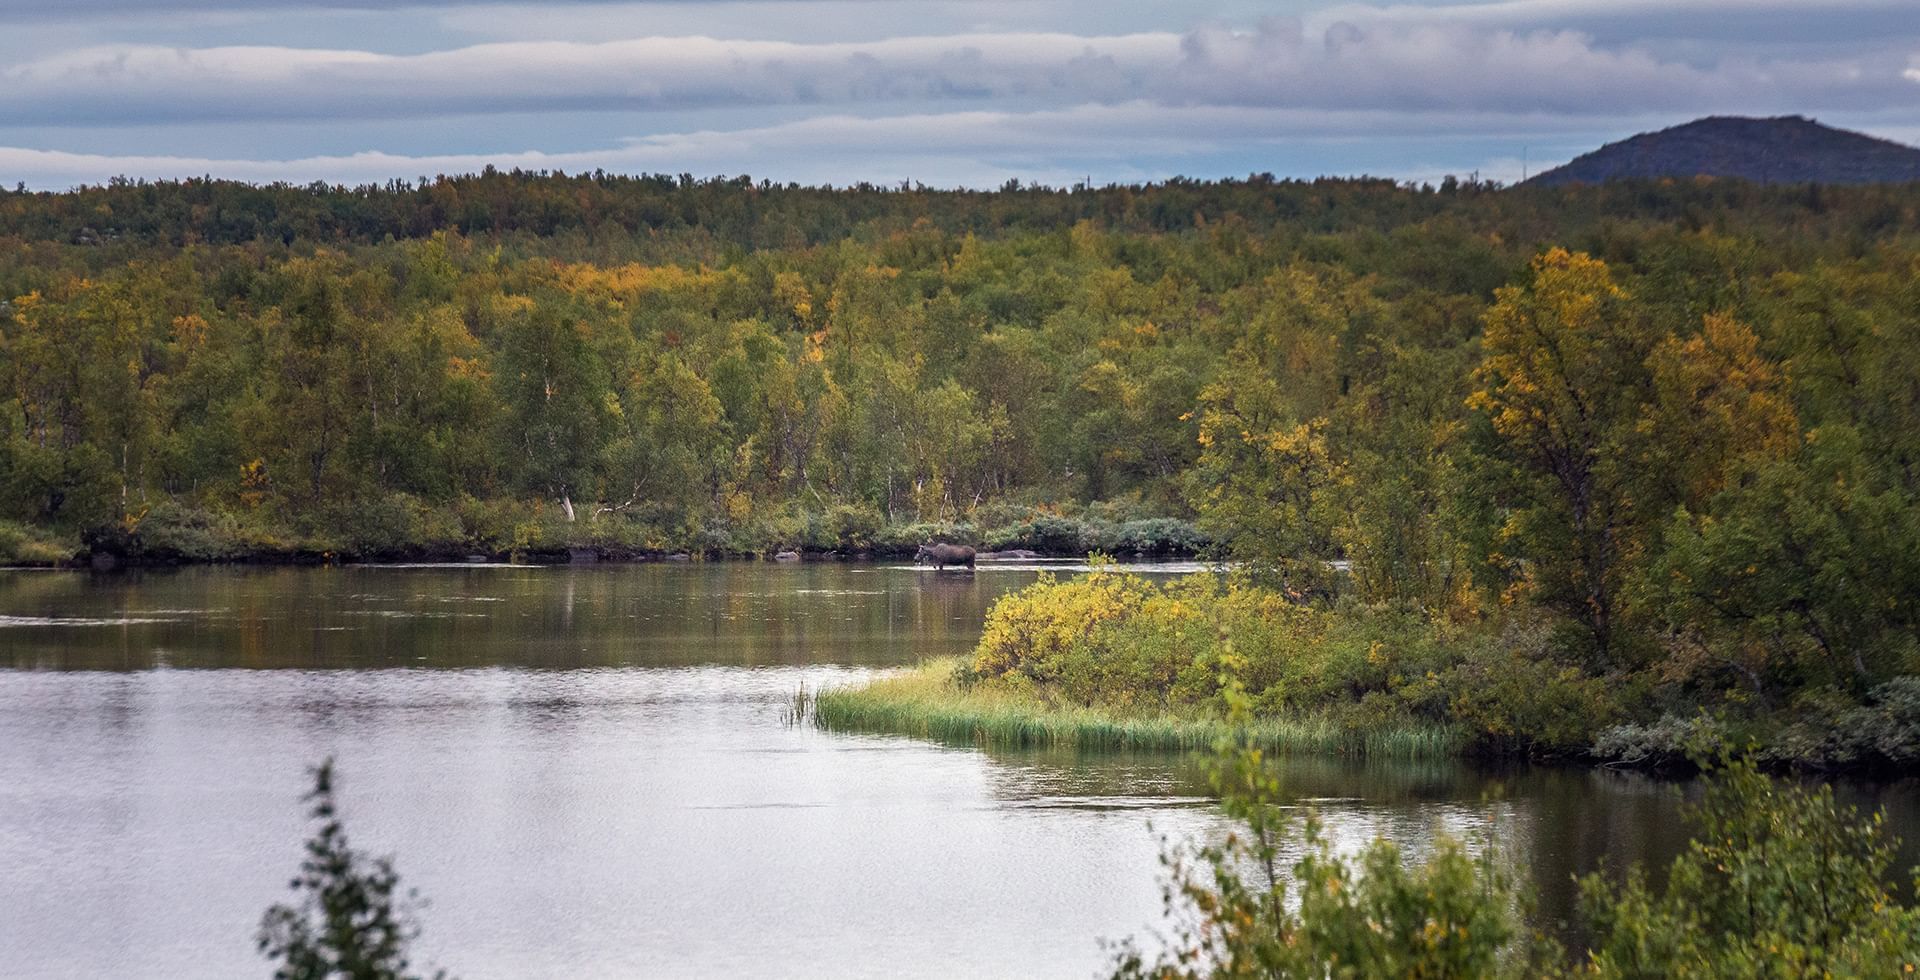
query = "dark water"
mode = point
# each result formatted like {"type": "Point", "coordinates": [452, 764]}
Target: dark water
{"type": "Point", "coordinates": [589, 773]}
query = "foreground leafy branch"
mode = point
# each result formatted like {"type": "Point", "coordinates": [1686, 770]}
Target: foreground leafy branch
{"type": "Point", "coordinates": [347, 922]}
{"type": "Point", "coordinates": [1780, 881]}
{"type": "Point", "coordinates": [1375, 915]}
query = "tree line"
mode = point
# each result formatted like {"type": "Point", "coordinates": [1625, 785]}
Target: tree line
{"type": "Point", "coordinates": [1683, 417]}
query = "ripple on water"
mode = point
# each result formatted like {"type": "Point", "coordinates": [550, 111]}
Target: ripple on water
{"type": "Point", "coordinates": [6, 621]}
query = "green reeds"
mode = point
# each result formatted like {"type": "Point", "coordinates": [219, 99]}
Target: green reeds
{"type": "Point", "coordinates": [925, 702]}
{"type": "Point", "coordinates": [800, 709]}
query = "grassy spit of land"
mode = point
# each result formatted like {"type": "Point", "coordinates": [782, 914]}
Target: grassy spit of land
{"type": "Point", "coordinates": [1111, 660]}
{"type": "Point", "coordinates": [931, 700]}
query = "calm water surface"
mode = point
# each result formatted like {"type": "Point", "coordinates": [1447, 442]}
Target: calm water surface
{"type": "Point", "coordinates": [589, 772]}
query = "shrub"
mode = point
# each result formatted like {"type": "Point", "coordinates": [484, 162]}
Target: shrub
{"type": "Point", "coordinates": [1516, 695]}
{"type": "Point", "coordinates": [1374, 915]}
{"type": "Point", "coordinates": [1031, 633]}
{"type": "Point", "coordinates": [488, 525]}
{"type": "Point", "coordinates": [1117, 640]}
{"type": "Point", "coordinates": [1831, 730]}
{"type": "Point", "coordinates": [171, 531]}
{"type": "Point", "coordinates": [379, 526]}
{"type": "Point", "coordinates": [1158, 537]}
{"type": "Point", "coordinates": [1517, 703]}
{"type": "Point", "coordinates": [1044, 533]}
{"type": "Point", "coordinates": [1670, 740]}
{"type": "Point", "coordinates": [904, 539]}
{"type": "Point", "coordinates": [1780, 881]}
{"type": "Point", "coordinates": [852, 527]}
{"type": "Point", "coordinates": [22, 545]}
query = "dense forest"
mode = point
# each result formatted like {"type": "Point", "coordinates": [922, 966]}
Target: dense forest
{"type": "Point", "coordinates": [1677, 424]}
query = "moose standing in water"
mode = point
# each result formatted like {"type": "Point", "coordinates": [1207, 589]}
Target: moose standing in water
{"type": "Point", "coordinates": [942, 555]}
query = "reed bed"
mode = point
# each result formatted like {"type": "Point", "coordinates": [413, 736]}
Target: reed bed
{"type": "Point", "coordinates": [925, 702]}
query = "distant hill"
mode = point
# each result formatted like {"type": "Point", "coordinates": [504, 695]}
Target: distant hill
{"type": "Point", "coordinates": [1781, 150]}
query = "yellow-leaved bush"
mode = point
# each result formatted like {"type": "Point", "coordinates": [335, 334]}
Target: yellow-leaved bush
{"type": "Point", "coordinates": [1121, 641]}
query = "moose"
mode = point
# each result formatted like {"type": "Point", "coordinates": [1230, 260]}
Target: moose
{"type": "Point", "coordinates": [942, 555]}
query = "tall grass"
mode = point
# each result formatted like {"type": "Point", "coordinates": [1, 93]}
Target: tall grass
{"type": "Point", "coordinates": [925, 702]}
{"type": "Point", "coordinates": [800, 706]}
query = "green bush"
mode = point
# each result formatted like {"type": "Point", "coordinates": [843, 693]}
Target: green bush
{"type": "Point", "coordinates": [1513, 701]}
{"type": "Point", "coordinates": [379, 526]}
{"type": "Point", "coordinates": [488, 525]}
{"type": "Point", "coordinates": [1372, 915]}
{"type": "Point", "coordinates": [1669, 740]}
{"type": "Point", "coordinates": [1157, 537]}
{"type": "Point", "coordinates": [22, 545]}
{"type": "Point", "coordinates": [1045, 533]}
{"type": "Point", "coordinates": [352, 919]}
{"type": "Point", "coordinates": [1831, 730]}
{"type": "Point", "coordinates": [904, 539]}
{"type": "Point", "coordinates": [1779, 881]}
{"type": "Point", "coordinates": [174, 532]}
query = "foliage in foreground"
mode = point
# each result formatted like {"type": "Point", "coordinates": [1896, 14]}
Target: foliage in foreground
{"type": "Point", "coordinates": [1452, 915]}
{"type": "Point", "coordinates": [350, 923]}
{"type": "Point", "coordinates": [1780, 881]}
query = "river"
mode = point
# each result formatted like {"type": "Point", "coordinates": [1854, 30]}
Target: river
{"type": "Point", "coordinates": [589, 771]}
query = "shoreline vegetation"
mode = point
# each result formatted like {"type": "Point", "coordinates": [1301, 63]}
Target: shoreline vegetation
{"type": "Point", "coordinates": [1112, 660]}
{"type": "Point", "coordinates": [172, 536]}
{"type": "Point", "coordinates": [928, 701]}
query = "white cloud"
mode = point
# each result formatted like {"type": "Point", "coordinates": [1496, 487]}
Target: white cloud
{"type": "Point", "coordinates": [149, 82]}
{"type": "Point", "coordinates": [1282, 63]}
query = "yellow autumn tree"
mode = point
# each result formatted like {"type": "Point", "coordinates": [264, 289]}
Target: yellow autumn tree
{"type": "Point", "coordinates": [1563, 380]}
{"type": "Point", "coordinates": [1720, 408]}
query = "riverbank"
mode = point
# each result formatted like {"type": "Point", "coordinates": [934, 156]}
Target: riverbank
{"type": "Point", "coordinates": [930, 701]}
{"type": "Point", "coordinates": [537, 533]}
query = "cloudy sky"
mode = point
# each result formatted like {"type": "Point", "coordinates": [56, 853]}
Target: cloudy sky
{"type": "Point", "coordinates": [945, 92]}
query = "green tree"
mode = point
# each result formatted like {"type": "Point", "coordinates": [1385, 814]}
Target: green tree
{"type": "Point", "coordinates": [1416, 521]}
{"type": "Point", "coordinates": [1271, 495]}
{"type": "Point", "coordinates": [669, 451]}
{"type": "Point", "coordinates": [559, 402]}
{"type": "Point", "coordinates": [1803, 568]}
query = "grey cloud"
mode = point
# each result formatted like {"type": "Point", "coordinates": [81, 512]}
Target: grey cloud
{"type": "Point", "coordinates": [1348, 65]}
{"type": "Point", "coordinates": [1763, 22]}
{"type": "Point", "coordinates": [146, 83]}
{"type": "Point", "coordinates": [1456, 66]}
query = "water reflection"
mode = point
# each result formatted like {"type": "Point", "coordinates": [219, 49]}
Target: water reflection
{"type": "Point", "coordinates": [478, 615]}
{"type": "Point", "coordinates": [590, 773]}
